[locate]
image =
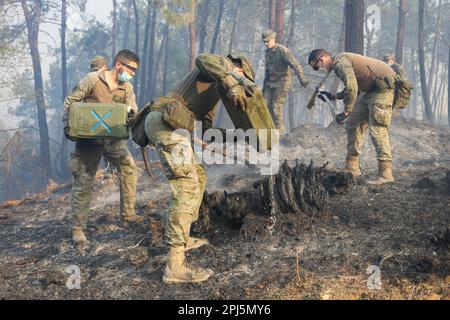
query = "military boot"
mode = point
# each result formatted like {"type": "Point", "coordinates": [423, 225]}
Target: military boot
{"type": "Point", "coordinates": [194, 243]}
{"type": "Point", "coordinates": [78, 236]}
{"type": "Point", "coordinates": [178, 272]}
{"type": "Point", "coordinates": [384, 174]}
{"type": "Point", "coordinates": [352, 166]}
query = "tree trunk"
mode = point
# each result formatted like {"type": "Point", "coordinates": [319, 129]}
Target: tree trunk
{"type": "Point", "coordinates": [434, 69]}
{"type": "Point", "coordinates": [136, 37]}
{"type": "Point", "coordinates": [272, 13]}
{"type": "Point", "coordinates": [354, 26]}
{"type": "Point", "coordinates": [114, 29]}
{"type": "Point", "coordinates": [290, 39]}
{"type": "Point", "coordinates": [166, 63]}
{"type": "Point", "coordinates": [423, 78]}
{"type": "Point", "coordinates": [403, 9]}
{"type": "Point", "coordinates": [279, 21]}
{"type": "Point", "coordinates": [63, 152]}
{"type": "Point", "coordinates": [192, 38]}
{"type": "Point", "coordinates": [143, 77]}
{"type": "Point", "coordinates": [415, 105]}
{"type": "Point", "coordinates": [217, 29]}
{"type": "Point", "coordinates": [32, 23]}
{"type": "Point", "coordinates": [233, 30]}
{"type": "Point", "coordinates": [126, 30]}
{"type": "Point", "coordinates": [151, 54]}
{"type": "Point", "coordinates": [203, 25]}
{"type": "Point", "coordinates": [448, 87]}
{"type": "Point", "coordinates": [158, 60]}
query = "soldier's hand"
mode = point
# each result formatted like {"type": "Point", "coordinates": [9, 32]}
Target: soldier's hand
{"type": "Point", "coordinates": [131, 113]}
{"type": "Point", "coordinates": [237, 97]}
{"type": "Point", "coordinates": [249, 90]}
{"type": "Point", "coordinates": [304, 82]}
{"type": "Point", "coordinates": [323, 94]}
{"type": "Point", "coordinates": [341, 117]}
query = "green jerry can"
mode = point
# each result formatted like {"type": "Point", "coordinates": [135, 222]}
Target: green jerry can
{"type": "Point", "coordinates": [98, 120]}
{"type": "Point", "coordinates": [257, 116]}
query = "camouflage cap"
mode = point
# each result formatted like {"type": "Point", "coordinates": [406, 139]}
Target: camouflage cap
{"type": "Point", "coordinates": [97, 62]}
{"type": "Point", "coordinates": [389, 56]}
{"type": "Point", "coordinates": [246, 65]}
{"type": "Point", "coordinates": [268, 35]}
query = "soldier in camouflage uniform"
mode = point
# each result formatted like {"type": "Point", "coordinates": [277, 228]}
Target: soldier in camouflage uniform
{"type": "Point", "coordinates": [103, 87]}
{"type": "Point", "coordinates": [98, 63]}
{"type": "Point", "coordinates": [277, 79]}
{"type": "Point", "coordinates": [375, 81]}
{"type": "Point", "coordinates": [214, 78]}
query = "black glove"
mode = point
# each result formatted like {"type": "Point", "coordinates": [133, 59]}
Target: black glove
{"type": "Point", "coordinates": [238, 98]}
{"type": "Point", "coordinates": [340, 118]}
{"type": "Point", "coordinates": [131, 114]}
{"type": "Point", "coordinates": [323, 94]}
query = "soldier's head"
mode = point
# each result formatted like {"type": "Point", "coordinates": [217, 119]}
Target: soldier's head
{"type": "Point", "coordinates": [126, 64]}
{"type": "Point", "coordinates": [243, 65]}
{"type": "Point", "coordinates": [320, 59]}
{"type": "Point", "coordinates": [98, 63]}
{"type": "Point", "coordinates": [268, 37]}
{"type": "Point", "coordinates": [389, 58]}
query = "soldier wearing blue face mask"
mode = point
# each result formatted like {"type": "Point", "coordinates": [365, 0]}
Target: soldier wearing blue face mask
{"type": "Point", "coordinates": [103, 86]}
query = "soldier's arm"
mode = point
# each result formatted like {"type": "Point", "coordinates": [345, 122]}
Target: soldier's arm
{"type": "Point", "coordinates": [266, 78]}
{"type": "Point", "coordinates": [344, 70]}
{"type": "Point", "coordinates": [293, 63]}
{"type": "Point", "coordinates": [217, 69]}
{"type": "Point", "coordinates": [130, 99]}
{"type": "Point", "coordinates": [213, 67]}
{"type": "Point", "coordinates": [78, 94]}
{"type": "Point", "coordinates": [208, 119]}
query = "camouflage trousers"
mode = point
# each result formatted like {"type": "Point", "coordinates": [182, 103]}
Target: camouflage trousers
{"type": "Point", "coordinates": [373, 111]}
{"type": "Point", "coordinates": [276, 99]}
{"type": "Point", "coordinates": [187, 178]}
{"type": "Point", "coordinates": [84, 163]}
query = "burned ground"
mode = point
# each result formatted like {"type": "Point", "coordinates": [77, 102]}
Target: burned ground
{"type": "Point", "coordinates": [402, 228]}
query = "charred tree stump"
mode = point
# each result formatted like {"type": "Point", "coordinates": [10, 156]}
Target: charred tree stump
{"type": "Point", "coordinates": [302, 189]}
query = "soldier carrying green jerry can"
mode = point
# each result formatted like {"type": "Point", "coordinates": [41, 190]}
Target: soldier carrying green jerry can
{"type": "Point", "coordinates": [95, 117]}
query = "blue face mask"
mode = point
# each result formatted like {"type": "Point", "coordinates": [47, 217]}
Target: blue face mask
{"type": "Point", "coordinates": [124, 77]}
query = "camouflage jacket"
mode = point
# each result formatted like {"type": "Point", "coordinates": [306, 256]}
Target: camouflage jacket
{"type": "Point", "coordinates": [202, 88]}
{"type": "Point", "coordinates": [357, 73]}
{"type": "Point", "coordinates": [94, 88]}
{"type": "Point", "coordinates": [278, 61]}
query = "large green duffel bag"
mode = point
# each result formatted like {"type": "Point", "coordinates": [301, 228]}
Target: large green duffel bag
{"type": "Point", "coordinates": [257, 116]}
{"type": "Point", "coordinates": [97, 120]}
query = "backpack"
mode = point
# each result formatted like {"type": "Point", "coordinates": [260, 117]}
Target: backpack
{"type": "Point", "coordinates": [403, 91]}
{"type": "Point", "coordinates": [137, 126]}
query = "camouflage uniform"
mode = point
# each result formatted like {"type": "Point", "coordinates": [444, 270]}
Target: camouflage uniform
{"type": "Point", "coordinates": [84, 161]}
{"type": "Point", "coordinates": [97, 63]}
{"type": "Point", "coordinates": [277, 80]}
{"type": "Point", "coordinates": [372, 109]}
{"type": "Point", "coordinates": [200, 91]}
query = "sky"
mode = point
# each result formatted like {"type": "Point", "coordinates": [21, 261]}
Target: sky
{"type": "Point", "coordinates": [100, 9]}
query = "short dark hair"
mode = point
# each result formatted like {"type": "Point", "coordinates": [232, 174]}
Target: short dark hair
{"type": "Point", "coordinates": [316, 54]}
{"type": "Point", "coordinates": [128, 55]}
